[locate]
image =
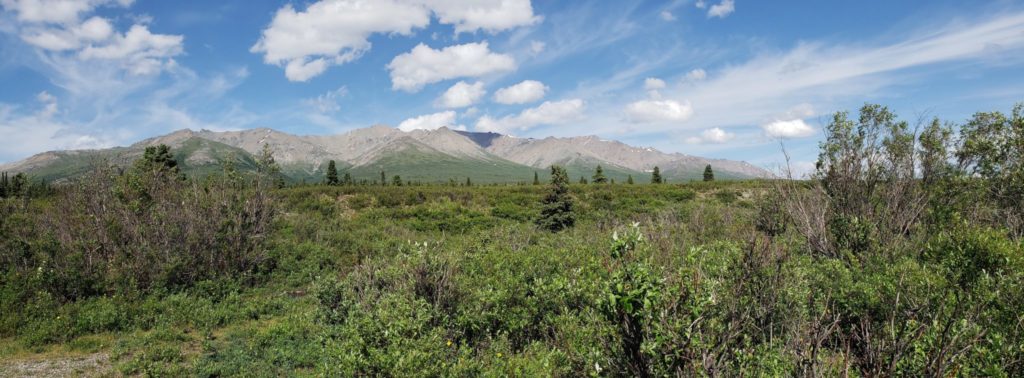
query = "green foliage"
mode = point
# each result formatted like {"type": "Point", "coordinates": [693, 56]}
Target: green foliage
{"type": "Point", "coordinates": [709, 175]}
{"type": "Point", "coordinates": [772, 218]}
{"type": "Point", "coordinates": [599, 177]}
{"type": "Point", "coordinates": [656, 176]}
{"type": "Point", "coordinates": [183, 277]}
{"type": "Point", "coordinates": [332, 174]}
{"type": "Point", "coordinates": [557, 212]}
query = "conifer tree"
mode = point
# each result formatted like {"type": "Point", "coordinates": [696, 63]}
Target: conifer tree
{"type": "Point", "coordinates": [332, 173]}
{"type": "Point", "coordinates": [629, 180]}
{"type": "Point", "coordinates": [268, 167]}
{"type": "Point", "coordinates": [557, 213]}
{"type": "Point", "coordinates": [158, 159]}
{"type": "Point", "coordinates": [18, 186]}
{"type": "Point", "coordinates": [347, 180]}
{"type": "Point", "coordinates": [656, 176]}
{"type": "Point", "coordinates": [396, 181]}
{"type": "Point", "coordinates": [709, 175]}
{"type": "Point", "coordinates": [599, 177]}
{"type": "Point", "coordinates": [3, 185]}
{"type": "Point", "coordinates": [583, 180]}
{"type": "Point", "coordinates": [468, 182]}
{"type": "Point", "coordinates": [536, 179]}
{"type": "Point", "coordinates": [383, 181]}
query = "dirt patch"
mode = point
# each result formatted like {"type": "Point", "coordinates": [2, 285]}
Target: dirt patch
{"type": "Point", "coordinates": [90, 365]}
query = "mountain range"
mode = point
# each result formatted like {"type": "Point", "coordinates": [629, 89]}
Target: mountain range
{"type": "Point", "coordinates": [436, 155]}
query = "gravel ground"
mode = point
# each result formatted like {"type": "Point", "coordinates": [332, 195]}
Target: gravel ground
{"type": "Point", "coordinates": [92, 365]}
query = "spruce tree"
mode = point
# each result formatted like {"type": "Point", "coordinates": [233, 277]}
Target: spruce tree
{"type": "Point", "coordinates": [709, 175]}
{"type": "Point", "coordinates": [599, 177]}
{"type": "Point", "coordinates": [396, 181]}
{"type": "Point", "coordinates": [536, 179]}
{"type": "Point", "coordinates": [468, 182]}
{"type": "Point", "coordinates": [656, 176]}
{"type": "Point", "coordinates": [347, 180]}
{"type": "Point", "coordinates": [158, 159]}
{"type": "Point", "coordinates": [3, 185]}
{"type": "Point", "coordinates": [629, 180]}
{"type": "Point", "coordinates": [383, 181]}
{"type": "Point", "coordinates": [332, 173]}
{"type": "Point", "coordinates": [556, 213]}
{"type": "Point", "coordinates": [583, 180]}
{"type": "Point", "coordinates": [19, 185]}
{"type": "Point", "coordinates": [268, 166]}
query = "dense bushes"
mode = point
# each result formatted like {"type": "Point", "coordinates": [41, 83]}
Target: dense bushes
{"type": "Point", "coordinates": [124, 235]}
{"type": "Point", "coordinates": [897, 259]}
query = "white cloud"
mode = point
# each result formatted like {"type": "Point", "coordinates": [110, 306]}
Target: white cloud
{"type": "Point", "coordinates": [56, 27]}
{"type": "Point", "coordinates": [817, 75]}
{"type": "Point", "coordinates": [696, 75]}
{"type": "Point", "coordinates": [332, 32]}
{"type": "Point", "coordinates": [27, 133]}
{"type": "Point", "coordinates": [714, 135]}
{"type": "Point", "coordinates": [461, 95]}
{"type": "Point", "coordinates": [328, 102]}
{"type": "Point", "coordinates": [548, 113]}
{"type": "Point", "coordinates": [536, 47]}
{"type": "Point", "coordinates": [666, 16]}
{"type": "Point", "coordinates": [722, 9]}
{"type": "Point", "coordinates": [700, 4]}
{"type": "Point", "coordinates": [525, 92]}
{"type": "Point", "coordinates": [646, 111]}
{"type": "Point", "coordinates": [423, 65]}
{"type": "Point", "coordinates": [56, 11]}
{"type": "Point", "coordinates": [488, 15]}
{"type": "Point", "coordinates": [653, 83]}
{"type": "Point", "coordinates": [430, 121]}
{"type": "Point", "coordinates": [795, 128]}
{"type": "Point", "coordinates": [49, 104]}
{"type": "Point", "coordinates": [142, 52]}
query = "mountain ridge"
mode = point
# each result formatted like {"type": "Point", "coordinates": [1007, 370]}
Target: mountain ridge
{"type": "Point", "coordinates": [367, 149]}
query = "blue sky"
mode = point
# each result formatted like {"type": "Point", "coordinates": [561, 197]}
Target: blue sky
{"type": "Point", "coordinates": [730, 79]}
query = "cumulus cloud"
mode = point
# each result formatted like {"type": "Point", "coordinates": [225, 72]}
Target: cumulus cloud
{"type": "Point", "coordinates": [489, 15]}
{"type": "Point", "coordinates": [667, 16]}
{"type": "Point", "coordinates": [700, 4]}
{"type": "Point", "coordinates": [332, 32]}
{"type": "Point", "coordinates": [646, 111]}
{"type": "Point", "coordinates": [653, 83]}
{"type": "Point", "coordinates": [548, 113]}
{"type": "Point", "coordinates": [461, 95]}
{"type": "Point", "coordinates": [795, 128]}
{"type": "Point", "coordinates": [722, 9]}
{"type": "Point", "coordinates": [56, 26]}
{"type": "Point", "coordinates": [525, 92]}
{"type": "Point", "coordinates": [714, 135]}
{"type": "Point", "coordinates": [56, 11]}
{"type": "Point", "coordinates": [423, 65]}
{"type": "Point", "coordinates": [142, 52]}
{"type": "Point", "coordinates": [696, 75]}
{"type": "Point", "coordinates": [430, 122]}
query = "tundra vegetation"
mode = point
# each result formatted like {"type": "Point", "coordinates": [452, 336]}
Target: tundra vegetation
{"type": "Point", "coordinates": [900, 256]}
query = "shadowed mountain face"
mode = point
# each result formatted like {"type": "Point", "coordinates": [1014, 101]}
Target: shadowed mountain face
{"type": "Point", "coordinates": [421, 155]}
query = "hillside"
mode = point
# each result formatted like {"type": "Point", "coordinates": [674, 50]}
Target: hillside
{"type": "Point", "coordinates": [422, 155]}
